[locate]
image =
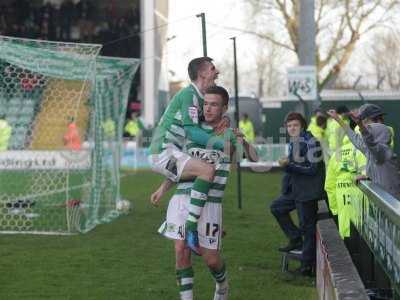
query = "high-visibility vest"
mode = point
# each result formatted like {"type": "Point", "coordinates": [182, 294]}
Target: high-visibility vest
{"type": "Point", "coordinates": [343, 195]}
{"type": "Point", "coordinates": [109, 128]}
{"type": "Point", "coordinates": [133, 127]}
{"type": "Point", "coordinates": [334, 134]}
{"type": "Point", "coordinates": [246, 127]}
{"type": "Point", "coordinates": [5, 134]}
{"type": "Point", "coordinates": [316, 131]}
{"type": "Point", "coordinates": [392, 132]}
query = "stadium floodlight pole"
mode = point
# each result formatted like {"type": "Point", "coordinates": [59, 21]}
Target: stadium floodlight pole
{"type": "Point", "coordinates": [306, 42]}
{"type": "Point", "coordinates": [203, 30]}
{"type": "Point", "coordinates": [239, 175]}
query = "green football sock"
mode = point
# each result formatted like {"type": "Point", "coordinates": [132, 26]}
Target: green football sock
{"type": "Point", "coordinates": [198, 198]}
{"type": "Point", "coordinates": [219, 275]}
{"type": "Point", "coordinates": [185, 283]}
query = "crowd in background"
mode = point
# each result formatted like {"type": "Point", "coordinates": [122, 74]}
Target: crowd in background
{"type": "Point", "coordinates": [77, 21]}
{"type": "Point", "coordinates": [70, 20]}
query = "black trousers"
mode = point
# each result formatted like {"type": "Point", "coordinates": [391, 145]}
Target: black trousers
{"type": "Point", "coordinates": [307, 213]}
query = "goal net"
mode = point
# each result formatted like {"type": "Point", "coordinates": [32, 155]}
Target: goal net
{"type": "Point", "coordinates": [62, 109]}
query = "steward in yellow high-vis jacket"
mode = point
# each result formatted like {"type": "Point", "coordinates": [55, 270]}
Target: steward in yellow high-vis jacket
{"type": "Point", "coordinates": [134, 126]}
{"type": "Point", "coordinates": [247, 128]}
{"type": "Point", "coordinates": [5, 134]}
{"type": "Point", "coordinates": [334, 133]}
{"type": "Point", "coordinates": [317, 127]}
{"type": "Point", "coordinates": [343, 194]}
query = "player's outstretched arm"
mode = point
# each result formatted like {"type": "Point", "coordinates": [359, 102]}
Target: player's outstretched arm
{"type": "Point", "coordinates": [249, 151]}
{"type": "Point", "coordinates": [203, 138]}
{"type": "Point", "coordinates": [165, 186]}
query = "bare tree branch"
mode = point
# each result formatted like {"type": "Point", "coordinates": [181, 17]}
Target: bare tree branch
{"type": "Point", "coordinates": [290, 22]}
{"type": "Point", "coordinates": [382, 19]}
{"type": "Point", "coordinates": [265, 36]}
{"type": "Point", "coordinates": [319, 16]}
{"type": "Point", "coordinates": [383, 56]}
{"type": "Point", "coordinates": [356, 18]}
{"type": "Point", "coordinates": [335, 42]}
{"type": "Point", "coordinates": [342, 61]}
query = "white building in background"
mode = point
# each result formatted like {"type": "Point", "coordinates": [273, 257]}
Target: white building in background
{"type": "Point", "coordinates": [154, 82]}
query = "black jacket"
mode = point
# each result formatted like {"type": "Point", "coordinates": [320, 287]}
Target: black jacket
{"type": "Point", "coordinates": [304, 177]}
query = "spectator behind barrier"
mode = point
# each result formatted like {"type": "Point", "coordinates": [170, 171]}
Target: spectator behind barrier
{"type": "Point", "coordinates": [382, 164]}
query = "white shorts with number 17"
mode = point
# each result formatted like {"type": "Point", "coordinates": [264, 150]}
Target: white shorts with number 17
{"type": "Point", "coordinates": [209, 225]}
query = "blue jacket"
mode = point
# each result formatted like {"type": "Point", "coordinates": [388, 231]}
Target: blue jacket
{"type": "Point", "coordinates": [304, 177]}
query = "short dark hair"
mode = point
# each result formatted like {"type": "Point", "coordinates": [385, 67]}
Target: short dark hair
{"type": "Point", "coordinates": [219, 90]}
{"type": "Point", "coordinates": [291, 116]}
{"type": "Point", "coordinates": [195, 66]}
{"type": "Point", "coordinates": [378, 119]}
{"type": "Point", "coordinates": [342, 109]}
{"type": "Point", "coordinates": [321, 121]}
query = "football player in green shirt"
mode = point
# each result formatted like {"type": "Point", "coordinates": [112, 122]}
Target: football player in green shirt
{"type": "Point", "coordinates": [210, 223]}
{"type": "Point", "coordinates": [180, 122]}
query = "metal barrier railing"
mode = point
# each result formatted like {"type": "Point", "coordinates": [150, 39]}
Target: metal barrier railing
{"type": "Point", "coordinates": [378, 222]}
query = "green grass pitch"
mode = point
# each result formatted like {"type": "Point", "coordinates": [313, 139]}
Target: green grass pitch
{"type": "Point", "coordinates": [127, 259]}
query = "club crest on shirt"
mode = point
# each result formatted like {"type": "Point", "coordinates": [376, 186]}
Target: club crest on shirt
{"type": "Point", "coordinates": [193, 114]}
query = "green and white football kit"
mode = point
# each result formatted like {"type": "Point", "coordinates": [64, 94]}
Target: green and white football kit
{"type": "Point", "coordinates": [180, 206]}
{"type": "Point", "coordinates": [180, 121]}
{"type": "Point", "coordinates": [186, 201]}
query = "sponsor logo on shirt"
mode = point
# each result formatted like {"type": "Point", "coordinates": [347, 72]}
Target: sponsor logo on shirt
{"type": "Point", "coordinates": [209, 156]}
